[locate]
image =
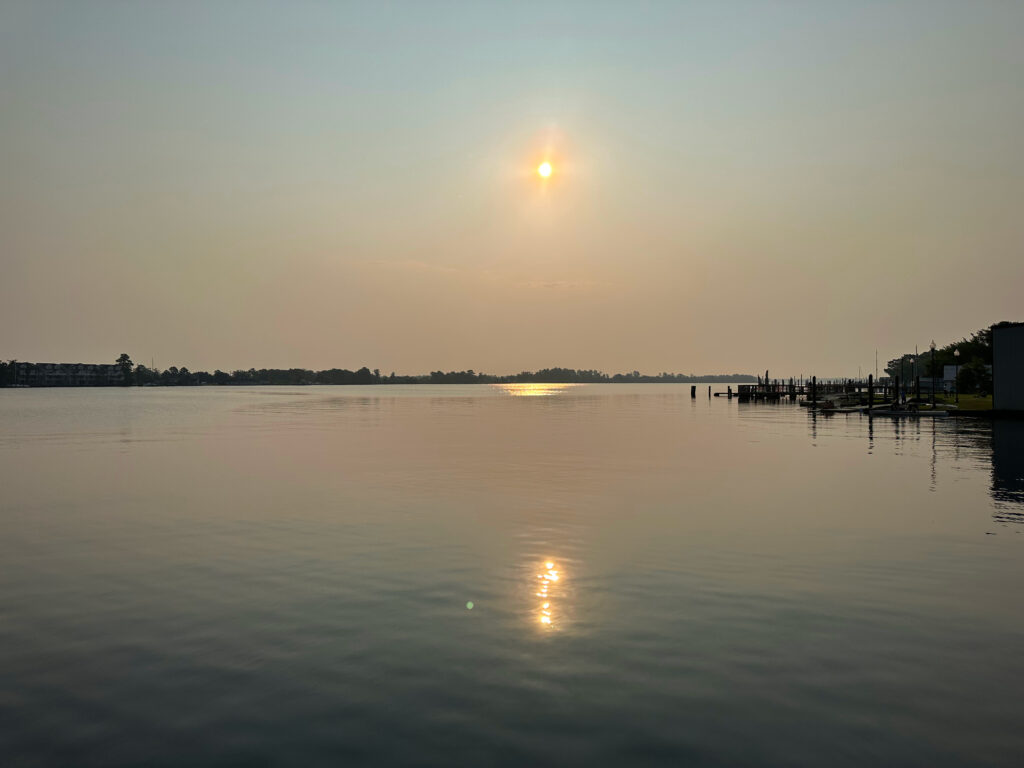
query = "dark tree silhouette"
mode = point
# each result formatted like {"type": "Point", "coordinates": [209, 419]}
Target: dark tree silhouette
{"type": "Point", "coordinates": [975, 378]}
{"type": "Point", "coordinates": [125, 364]}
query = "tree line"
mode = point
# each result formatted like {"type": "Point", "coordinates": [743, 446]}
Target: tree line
{"type": "Point", "coordinates": [173, 376]}
{"type": "Point", "coordinates": [141, 375]}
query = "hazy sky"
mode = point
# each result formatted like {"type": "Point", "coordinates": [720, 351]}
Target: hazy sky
{"type": "Point", "coordinates": [737, 186]}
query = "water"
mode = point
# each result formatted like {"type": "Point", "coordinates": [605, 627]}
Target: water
{"type": "Point", "coordinates": [280, 577]}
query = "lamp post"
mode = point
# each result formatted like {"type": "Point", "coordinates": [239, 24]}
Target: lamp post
{"type": "Point", "coordinates": [932, 348]}
{"type": "Point", "coordinates": [956, 378]}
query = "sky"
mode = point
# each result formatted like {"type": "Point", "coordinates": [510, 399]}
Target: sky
{"type": "Point", "coordinates": [737, 186]}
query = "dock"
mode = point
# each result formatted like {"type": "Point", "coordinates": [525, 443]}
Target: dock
{"type": "Point", "coordinates": [813, 391]}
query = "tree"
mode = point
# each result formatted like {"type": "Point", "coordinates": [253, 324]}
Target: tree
{"type": "Point", "coordinates": [169, 376]}
{"type": "Point", "coordinates": [125, 364]}
{"type": "Point", "coordinates": [975, 378]}
{"type": "Point", "coordinates": [144, 375]}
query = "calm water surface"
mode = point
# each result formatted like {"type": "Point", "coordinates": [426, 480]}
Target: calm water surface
{"type": "Point", "coordinates": [281, 577]}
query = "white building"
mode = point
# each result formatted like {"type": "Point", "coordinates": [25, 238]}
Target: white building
{"type": "Point", "coordinates": [949, 377]}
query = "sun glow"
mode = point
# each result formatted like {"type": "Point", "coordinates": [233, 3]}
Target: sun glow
{"type": "Point", "coordinates": [544, 169]}
{"type": "Point", "coordinates": [530, 389]}
{"type": "Point", "coordinates": [548, 576]}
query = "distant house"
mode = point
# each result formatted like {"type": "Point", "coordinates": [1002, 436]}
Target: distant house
{"type": "Point", "coordinates": [949, 373]}
{"type": "Point", "coordinates": [1008, 368]}
{"type": "Point", "coordinates": [67, 375]}
{"type": "Point", "coordinates": [949, 377]}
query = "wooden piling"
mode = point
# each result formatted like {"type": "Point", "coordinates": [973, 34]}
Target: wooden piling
{"type": "Point", "coordinates": [693, 391]}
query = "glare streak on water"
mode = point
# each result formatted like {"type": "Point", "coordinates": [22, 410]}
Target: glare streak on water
{"type": "Point", "coordinates": [281, 576]}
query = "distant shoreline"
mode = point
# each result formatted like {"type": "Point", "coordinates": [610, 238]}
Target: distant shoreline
{"type": "Point", "coordinates": [124, 373]}
{"type": "Point", "coordinates": [383, 382]}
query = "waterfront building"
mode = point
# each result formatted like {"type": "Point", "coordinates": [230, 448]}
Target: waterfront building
{"type": "Point", "coordinates": [1008, 368]}
{"type": "Point", "coordinates": [67, 375]}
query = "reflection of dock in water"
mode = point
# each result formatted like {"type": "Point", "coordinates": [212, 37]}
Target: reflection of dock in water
{"type": "Point", "coordinates": [1008, 470]}
{"type": "Point", "coordinates": [998, 443]}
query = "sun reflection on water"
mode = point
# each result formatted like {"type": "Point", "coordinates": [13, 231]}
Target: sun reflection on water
{"type": "Point", "coordinates": [548, 577]}
{"type": "Point", "coordinates": [535, 390]}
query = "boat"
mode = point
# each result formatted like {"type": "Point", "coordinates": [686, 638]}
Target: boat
{"type": "Point", "coordinates": [835, 401]}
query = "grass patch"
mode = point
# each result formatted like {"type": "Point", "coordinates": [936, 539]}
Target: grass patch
{"type": "Point", "coordinates": [967, 402]}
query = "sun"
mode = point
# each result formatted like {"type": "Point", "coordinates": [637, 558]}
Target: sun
{"type": "Point", "coordinates": [544, 169]}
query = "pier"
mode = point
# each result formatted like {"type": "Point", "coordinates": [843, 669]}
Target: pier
{"type": "Point", "coordinates": [814, 391]}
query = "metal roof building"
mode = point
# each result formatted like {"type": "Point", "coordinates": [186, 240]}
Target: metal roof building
{"type": "Point", "coordinates": [1008, 368]}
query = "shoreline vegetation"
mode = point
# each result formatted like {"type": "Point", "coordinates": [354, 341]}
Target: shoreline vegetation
{"type": "Point", "coordinates": [125, 373]}
{"type": "Point", "coordinates": [973, 363]}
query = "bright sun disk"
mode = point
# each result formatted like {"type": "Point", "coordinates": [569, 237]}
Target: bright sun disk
{"type": "Point", "coordinates": [544, 169]}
